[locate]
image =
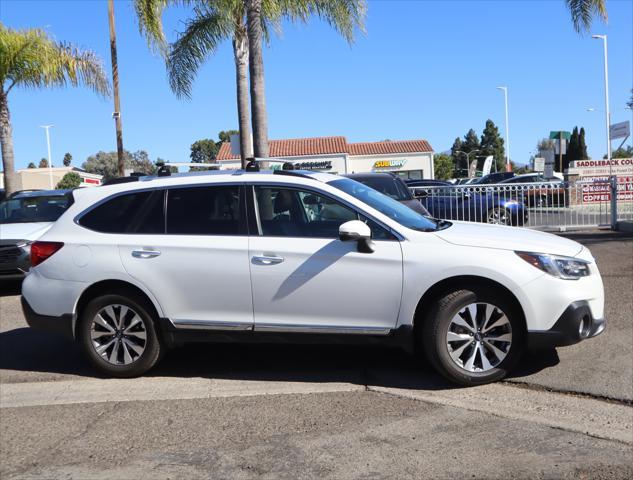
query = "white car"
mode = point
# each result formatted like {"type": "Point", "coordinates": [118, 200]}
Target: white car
{"type": "Point", "coordinates": [130, 270]}
{"type": "Point", "coordinates": [25, 217]}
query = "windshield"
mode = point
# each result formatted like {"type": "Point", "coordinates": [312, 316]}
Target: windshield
{"type": "Point", "coordinates": [34, 209]}
{"type": "Point", "coordinates": [386, 205]}
{"type": "Point", "coordinates": [387, 186]}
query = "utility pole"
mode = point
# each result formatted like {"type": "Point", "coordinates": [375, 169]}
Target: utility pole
{"type": "Point", "coordinates": [115, 84]}
{"type": "Point", "coordinates": [505, 96]}
{"type": "Point", "coordinates": [50, 161]}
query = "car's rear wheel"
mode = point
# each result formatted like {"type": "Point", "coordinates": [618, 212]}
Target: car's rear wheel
{"type": "Point", "coordinates": [118, 335]}
{"type": "Point", "coordinates": [473, 336]}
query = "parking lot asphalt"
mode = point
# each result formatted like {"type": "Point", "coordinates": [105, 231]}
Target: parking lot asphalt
{"type": "Point", "coordinates": [235, 411]}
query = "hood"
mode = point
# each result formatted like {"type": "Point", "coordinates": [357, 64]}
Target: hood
{"type": "Point", "coordinates": [23, 231]}
{"type": "Point", "coordinates": [508, 238]}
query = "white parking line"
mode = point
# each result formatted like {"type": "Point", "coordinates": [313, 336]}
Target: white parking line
{"type": "Point", "coordinates": [584, 415]}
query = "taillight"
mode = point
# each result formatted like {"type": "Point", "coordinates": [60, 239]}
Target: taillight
{"type": "Point", "coordinates": [40, 251]}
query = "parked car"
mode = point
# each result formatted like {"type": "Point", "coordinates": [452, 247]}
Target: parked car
{"type": "Point", "coordinates": [537, 190]}
{"type": "Point", "coordinates": [24, 217]}
{"type": "Point", "coordinates": [391, 185]}
{"type": "Point", "coordinates": [472, 204]}
{"type": "Point", "coordinates": [130, 270]}
{"type": "Point", "coordinates": [495, 177]}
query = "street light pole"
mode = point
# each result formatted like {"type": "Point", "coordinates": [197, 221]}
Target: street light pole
{"type": "Point", "coordinates": [50, 162]}
{"type": "Point", "coordinates": [505, 96]}
{"type": "Point", "coordinates": [467, 158]}
{"type": "Point", "coordinates": [607, 115]}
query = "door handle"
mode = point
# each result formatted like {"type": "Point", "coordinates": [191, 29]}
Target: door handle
{"type": "Point", "coordinates": [142, 253]}
{"type": "Point", "coordinates": [266, 260]}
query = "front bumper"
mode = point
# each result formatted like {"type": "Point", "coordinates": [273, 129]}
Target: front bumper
{"type": "Point", "coordinates": [574, 325]}
{"type": "Point", "coordinates": [62, 324]}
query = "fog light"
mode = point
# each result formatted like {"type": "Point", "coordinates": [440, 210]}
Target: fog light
{"type": "Point", "coordinates": [583, 326]}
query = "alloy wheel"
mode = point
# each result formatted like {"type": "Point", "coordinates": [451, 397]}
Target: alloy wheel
{"type": "Point", "coordinates": [479, 337]}
{"type": "Point", "coordinates": [498, 216]}
{"type": "Point", "coordinates": [118, 334]}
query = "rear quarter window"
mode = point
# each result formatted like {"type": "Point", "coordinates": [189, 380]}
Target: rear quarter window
{"type": "Point", "coordinates": [137, 212]}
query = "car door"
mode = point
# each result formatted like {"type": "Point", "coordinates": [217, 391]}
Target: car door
{"type": "Point", "coordinates": [305, 279]}
{"type": "Point", "coordinates": [198, 269]}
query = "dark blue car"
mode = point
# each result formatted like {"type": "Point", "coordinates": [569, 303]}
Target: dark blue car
{"type": "Point", "coordinates": [470, 203]}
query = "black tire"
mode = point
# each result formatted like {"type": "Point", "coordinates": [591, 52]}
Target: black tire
{"type": "Point", "coordinates": [433, 335]}
{"type": "Point", "coordinates": [152, 348]}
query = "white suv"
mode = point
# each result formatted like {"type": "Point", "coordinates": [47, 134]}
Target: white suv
{"type": "Point", "coordinates": [135, 268]}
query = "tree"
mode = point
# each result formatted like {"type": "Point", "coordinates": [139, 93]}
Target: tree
{"type": "Point", "coordinates": [43, 163]}
{"type": "Point", "coordinates": [455, 149]}
{"type": "Point", "coordinates": [492, 144]}
{"type": "Point", "coordinates": [573, 149]}
{"type": "Point", "coordinates": [629, 104]}
{"type": "Point", "coordinates": [68, 158]}
{"type": "Point", "coordinates": [583, 12]}
{"type": "Point", "coordinates": [106, 163]}
{"type": "Point", "coordinates": [544, 145]}
{"type": "Point", "coordinates": [443, 166]}
{"type": "Point", "coordinates": [69, 181]}
{"type": "Point", "coordinates": [220, 20]}
{"type": "Point", "coordinates": [31, 165]}
{"type": "Point", "coordinates": [31, 59]}
{"type": "Point", "coordinates": [204, 151]}
{"type": "Point", "coordinates": [582, 146]}
{"type": "Point", "coordinates": [622, 153]}
{"type": "Point", "coordinates": [225, 136]}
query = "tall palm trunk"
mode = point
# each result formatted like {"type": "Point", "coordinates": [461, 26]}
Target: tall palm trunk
{"type": "Point", "coordinates": [240, 51]}
{"type": "Point", "coordinates": [115, 84]}
{"type": "Point", "coordinates": [6, 141]}
{"type": "Point", "coordinates": [256, 69]}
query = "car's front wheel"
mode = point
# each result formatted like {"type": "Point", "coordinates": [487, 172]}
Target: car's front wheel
{"type": "Point", "coordinates": [118, 335]}
{"type": "Point", "coordinates": [473, 336]}
{"type": "Point", "coordinates": [499, 216]}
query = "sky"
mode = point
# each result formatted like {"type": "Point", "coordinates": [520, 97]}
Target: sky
{"type": "Point", "coordinates": [424, 69]}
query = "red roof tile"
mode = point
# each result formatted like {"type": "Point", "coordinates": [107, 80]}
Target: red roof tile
{"type": "Point", "coordinates": [298, 147]}
{"type": "Point", "coordinates": [396, 146]}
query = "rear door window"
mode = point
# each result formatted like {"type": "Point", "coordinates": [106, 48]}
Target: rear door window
{"type": "Point", "coordinates": [135, 212]}
{"type": "Point", "coordinates": [206, 210]}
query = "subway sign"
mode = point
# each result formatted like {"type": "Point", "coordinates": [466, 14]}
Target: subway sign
{"type": "Point", "coordinates": [390, 163]}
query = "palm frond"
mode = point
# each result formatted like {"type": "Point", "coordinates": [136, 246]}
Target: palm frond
{"type": "Point", "coordinates": [30, 58]}
{"type": "Point", "coordinates": [345, 16]}
{"type": "Point", "coordinates": [584, 11]}
{"type": "Point", "coordinates": [201, 38]}
{"type": "Point", "coordinates": [150, 23]}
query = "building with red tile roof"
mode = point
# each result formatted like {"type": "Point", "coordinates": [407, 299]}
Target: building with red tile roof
{"type": "Point", "coordinates": [408, 158]}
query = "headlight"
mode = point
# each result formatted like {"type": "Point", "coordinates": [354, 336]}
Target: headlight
{"type": "Point", "coordinates": [567, 268]}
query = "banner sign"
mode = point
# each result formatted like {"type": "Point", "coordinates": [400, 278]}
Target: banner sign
{"type": "Point", "coordinates": [600, 191]}
{"type": "Point", "coordinates": [487, 165]}
{"type": "Point", "coordinates": [620, 130]}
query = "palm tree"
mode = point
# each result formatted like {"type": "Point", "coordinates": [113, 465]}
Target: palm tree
{"type": "Point", "coordinates": [215, 21]}
{"type": "Point", "coordinates": [583, 12]}
{"type": "Point", "coordinates": [31, 59]}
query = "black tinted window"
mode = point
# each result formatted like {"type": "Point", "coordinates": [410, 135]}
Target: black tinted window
{"type": "Point", "coordinates": [138, 212]}
{"type": "Point", "coordinates": [204, 210]}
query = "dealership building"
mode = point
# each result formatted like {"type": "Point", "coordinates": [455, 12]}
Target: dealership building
{"type": "Point", "coordinates": [43, 178]}
{"type": "Point", "coordinates": [407, 158]}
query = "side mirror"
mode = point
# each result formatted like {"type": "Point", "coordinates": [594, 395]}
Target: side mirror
{"type": "Point", "coordinates": [357, 231]}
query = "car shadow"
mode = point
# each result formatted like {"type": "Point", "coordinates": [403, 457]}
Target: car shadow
{"type": "Point", "coordinates": [24, 349]}
{"type": "Point", "coordinates": [10, 287]}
